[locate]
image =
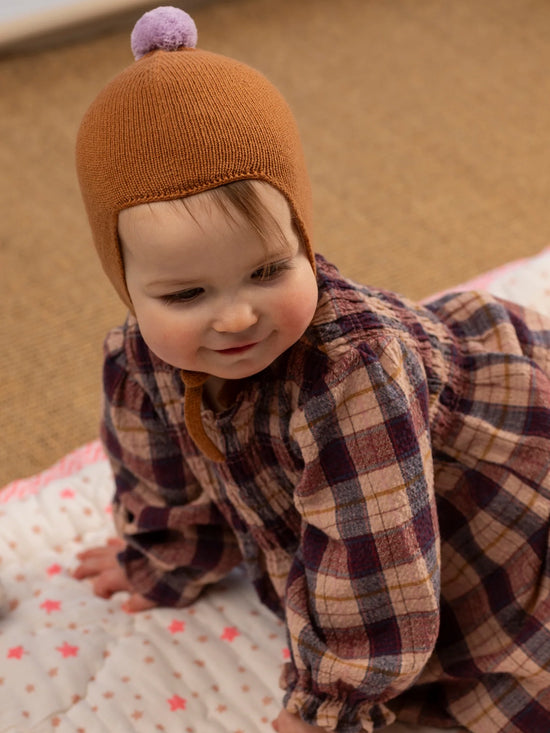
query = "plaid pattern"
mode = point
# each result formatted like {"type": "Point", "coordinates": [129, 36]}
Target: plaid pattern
{"type": "Point", "coordinates": [386, 485]}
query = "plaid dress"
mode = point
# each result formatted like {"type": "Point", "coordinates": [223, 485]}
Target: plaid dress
{"type": "Point", "coordinates": [386, 485]}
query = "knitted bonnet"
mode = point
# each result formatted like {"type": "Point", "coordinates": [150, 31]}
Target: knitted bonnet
{"type": "Point", "coordinates": [176, 122]}
{"type": "Point", "coordinates": [179, 121]}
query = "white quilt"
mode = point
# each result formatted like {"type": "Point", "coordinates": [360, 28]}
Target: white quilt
{"type": "Point", "coordinates": [71, 662]}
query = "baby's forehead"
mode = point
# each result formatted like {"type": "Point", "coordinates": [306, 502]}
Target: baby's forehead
{"type": "Point", "coordinates": [249, 204]}
{"type": "Point", "coordinates": [169, 228]}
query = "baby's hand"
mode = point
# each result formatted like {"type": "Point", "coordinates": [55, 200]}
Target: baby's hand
{"type": "Point", "coordinates": [100, 564]}
{"type": "Point", "coordinates": [287, 723]}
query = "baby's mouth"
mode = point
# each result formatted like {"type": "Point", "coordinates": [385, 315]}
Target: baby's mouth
{"type": "Point", "coordinates": [236, 349]}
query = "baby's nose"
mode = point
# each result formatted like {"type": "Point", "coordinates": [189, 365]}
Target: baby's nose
{"type": "Point", "coordinates": [235, 317]}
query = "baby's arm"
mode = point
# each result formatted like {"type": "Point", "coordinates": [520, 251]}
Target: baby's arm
{"type": "Point", "coordinates": [362, 595]}
{"type": "Point", "coordinates": [176, 540]}
{"type": "Point", "coordinates": [100, 564]}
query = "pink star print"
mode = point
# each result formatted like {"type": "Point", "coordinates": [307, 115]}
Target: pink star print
{"type": "Point", "coordinates": [67, 494]}
{"type": "Point", "coordinates": [16, 652]}
{"type": "Point", "coordinates": [286, 653]}
{"type": "Point", "coordinates": [176, 626]}
{"type": "Point", "coordinates": [229, 633]}
{"type": "Point", "coordinates": [50, 606]}
{"type": "Point", "coordinates": [67, 650]}
{"type": "Point", "coordinates": [54, 569]}
{"type": "Point", "coordinates": [177, 703]}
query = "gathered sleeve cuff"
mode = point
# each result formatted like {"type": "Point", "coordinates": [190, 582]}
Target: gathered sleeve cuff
{"type": "Point", "coordinates": [345, 714]}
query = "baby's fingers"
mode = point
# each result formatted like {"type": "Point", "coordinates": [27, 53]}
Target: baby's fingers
{"type": "Point", "coordinates": [137, 603]}
{"type": "Point", "coordinates": [96, 559]}
{"type": "Point", "coordinates": [88, 566]}
{"type": "Point", "coordinates": [109, 581]}
{"type": "Point", "coordinates": [287, 723]}
{"type": "Point", "coordinates": [110, 549]}
{"type": "Point", "coordinates": [116, 542]}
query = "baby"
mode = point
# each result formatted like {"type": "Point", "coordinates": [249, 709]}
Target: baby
{"type": "Point", "coordinates": [380, 468]}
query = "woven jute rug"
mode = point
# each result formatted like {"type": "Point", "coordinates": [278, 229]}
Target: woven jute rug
{"type": "Point", "coordinates": [426, 127]}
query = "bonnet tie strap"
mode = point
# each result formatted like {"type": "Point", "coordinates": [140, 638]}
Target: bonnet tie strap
{"type": "Point", "coordinates": [194, 383]}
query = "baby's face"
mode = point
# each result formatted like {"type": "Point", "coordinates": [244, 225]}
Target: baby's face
{"type": "Point", "coordinates": [208, 293]}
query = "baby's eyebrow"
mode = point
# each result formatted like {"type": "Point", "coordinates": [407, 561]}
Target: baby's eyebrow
{"type": "Point", "coordinates": [174, 283]}
{"type": "Point", "coordinates": [272, 259]}
{"type": "Point", "coordinates": [272, 254]}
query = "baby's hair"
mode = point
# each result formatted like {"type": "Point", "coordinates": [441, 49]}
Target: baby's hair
{"type": "Point", "coordinates": [242, 198]}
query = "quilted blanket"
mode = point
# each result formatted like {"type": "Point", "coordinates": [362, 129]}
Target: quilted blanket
{"type": "Point", "coordinates": [71, 662]}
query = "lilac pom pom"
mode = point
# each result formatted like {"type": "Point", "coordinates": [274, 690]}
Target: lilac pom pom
{"type": "Point", "coordinates": [164, 28]}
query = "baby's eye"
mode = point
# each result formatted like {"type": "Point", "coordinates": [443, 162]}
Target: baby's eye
{"type": "Point", "coordinates": [270, 270]}
{"type": "Point", "coordinates": [182, 296]}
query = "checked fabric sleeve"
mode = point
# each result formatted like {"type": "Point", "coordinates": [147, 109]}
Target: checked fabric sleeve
{"type": "Point", "coordinates": [177, 540]}
{"type": "Point", "coordinates": [362, 596]}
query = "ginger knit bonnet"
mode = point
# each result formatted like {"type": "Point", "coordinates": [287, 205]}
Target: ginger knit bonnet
{"type": "Point", "coordinates": [176, 122]}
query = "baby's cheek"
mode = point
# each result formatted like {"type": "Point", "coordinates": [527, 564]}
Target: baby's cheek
{"type": "Point", "coordinates": [165, 340]}
{"type": "Point", "coordinates": [300, 305]}
{"type": "Point", "coordinates": [295, 319]}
